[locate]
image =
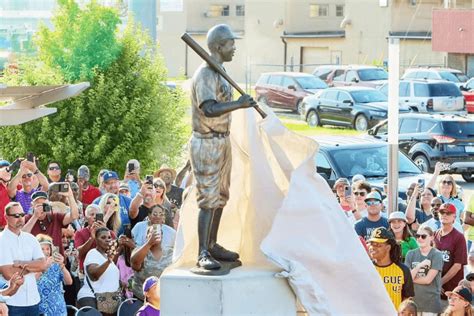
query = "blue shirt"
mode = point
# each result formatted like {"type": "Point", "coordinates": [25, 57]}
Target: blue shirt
{"type": "Point", "coordinates": [134, 187]}
{"type": "Point", "coordinates": [124, 203]}
{"type": "Point", "coordinates": [364, 227]}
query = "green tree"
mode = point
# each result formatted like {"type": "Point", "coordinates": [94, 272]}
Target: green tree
{"type": "Point", "coordinates": [128, 112]}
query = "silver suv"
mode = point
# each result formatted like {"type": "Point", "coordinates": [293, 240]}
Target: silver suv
{"type": "Point", "coordinates": [430, 95]}
{"type": "Point", "coordinates": [448, 74]}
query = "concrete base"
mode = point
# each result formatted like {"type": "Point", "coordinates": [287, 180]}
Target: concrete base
{"type": "Point", "coordinates": [245, 291]}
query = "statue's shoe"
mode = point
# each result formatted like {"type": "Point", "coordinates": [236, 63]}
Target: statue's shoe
{"type": "Point", "coordinates": [220, 253]}
{"type": "Point", "coordinates": [207, 262]}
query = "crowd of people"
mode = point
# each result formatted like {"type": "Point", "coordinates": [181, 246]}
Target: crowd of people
{"type": "Point", "coordinates": [423, 251]}
{"type": "Point", "coordinates": [65, 242]}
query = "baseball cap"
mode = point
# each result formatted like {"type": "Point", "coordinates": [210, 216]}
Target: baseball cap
{"type": "Point", "coordinates": [341, 181]}
{"type": "Point", "coordinates": [39, 195]}
{"type": "Point", "coordinates": [461, 292]}
{"type": "Point", "coordinates": [358, 177]}
{"type": "Point", "coordinates": [149, 283]}
{"type": "Point", "coordinates": [374, 195]}
{"type": "Point", "coordinates": [450, 208]}
{"type": "Point", "coordinates": [84, 172]}
{"type": "Point", "coordinates": [124, 186]}
{"type": "Point", "coordinates": [397, 215]}
{"type": "Point", "coordinates": [4, 163]}
{"type": "Point", "coordinates": [109, 175]}
{"type": "Point", "coordinates": [381, 235]}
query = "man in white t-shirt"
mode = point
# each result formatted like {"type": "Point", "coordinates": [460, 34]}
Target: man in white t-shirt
{"type": "Point", "coordinates": [21, 252]}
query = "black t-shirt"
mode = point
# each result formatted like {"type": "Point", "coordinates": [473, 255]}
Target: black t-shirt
{"type": "Point", "coordinates": [175, 196]}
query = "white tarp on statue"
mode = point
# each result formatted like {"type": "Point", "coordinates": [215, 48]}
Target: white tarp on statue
{"type": "Point", "coordinates": [281, 210]}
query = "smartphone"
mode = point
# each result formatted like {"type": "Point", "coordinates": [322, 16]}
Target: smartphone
{"type": "Point", "coordinates": [130, 167]}
{"type": "Point", "coordinates": [99, 217]}
{"type": "Point", "coordinates": [55, 251]}
{"type": "Point", "coordinates": [149, 179]}
{"type": "Point", "coordinates": [128, 231]}
{"type": "Point", "coordinates": [59, 187]}
{"type": "Point", "coordinates": [47, 207]}
{"type": "Point", "coordinates": [15, 165]}
{"type": "Point", "coordinates": [348, 191]}
{"type": "Point", "coordinates": [421, 183]}
{"type": "Point", "coordinates": [30, 157]}
{"type": "Point", "coordinates": [157, 229]}
{"type": "Point", "coordinates": [71, 245]}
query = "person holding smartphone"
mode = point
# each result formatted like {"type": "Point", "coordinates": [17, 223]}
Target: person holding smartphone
{"type": "Point", "coordinates": [49, 281]}
{"type": "Point", "coordinates": [132, 177]}
{"type": "Point", "coordinates": [87, 192]}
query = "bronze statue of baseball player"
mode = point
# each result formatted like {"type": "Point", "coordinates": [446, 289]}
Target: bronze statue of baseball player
{"type": "Point", "coordinates": [211, 155]}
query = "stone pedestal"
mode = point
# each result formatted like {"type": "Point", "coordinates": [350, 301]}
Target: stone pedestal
{"type": "Point", "coordinates": [247, 290]}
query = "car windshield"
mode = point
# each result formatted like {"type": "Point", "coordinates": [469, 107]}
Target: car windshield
{"type": "Point", "coordinates": [373, 74]}
{"type": "Point", "coordinates": [461, 77]}
{"type": "Point", "coordinates": [367, 96]}
{"type": "Point", "coordinates": [444, 90]}
{"type": "Point", "coordinates": [369, 161]}
{"type": "Point", "coordinates": [449, 76]}
{"type": "Point", "coordinates": [311, 82]}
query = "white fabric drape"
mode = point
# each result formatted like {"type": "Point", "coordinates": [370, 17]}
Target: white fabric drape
{"type": "Point", "coordinates": [282, 214]}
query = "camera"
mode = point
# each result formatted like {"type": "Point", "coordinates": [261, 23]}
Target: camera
{"type": "Point", "coordinates": [59, 187]}
{"type": "Point", "coordinates": [47, 207]}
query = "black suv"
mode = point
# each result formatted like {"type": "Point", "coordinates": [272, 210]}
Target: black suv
{"type": "Point", "coordinates": [344, 157]}
{"type": "Point", "coordinates": [437, 137]}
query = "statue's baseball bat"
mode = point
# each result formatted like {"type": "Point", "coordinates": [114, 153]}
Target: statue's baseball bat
{"type": "Point", "coordinates": [214, 65]}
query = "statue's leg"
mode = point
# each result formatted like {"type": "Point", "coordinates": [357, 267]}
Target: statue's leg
{"type": "Point", "coordinates": [216, 250]}
{"type": "Point", "coordinates": [205, 260]}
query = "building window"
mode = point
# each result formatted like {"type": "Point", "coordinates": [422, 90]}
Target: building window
{"type": "Point", "coordinates": [340, 10]}
{"type": "Point", "coordinates": [317, 10]}
{"type": "Point", "coordinates": [240, 10]}
{"type": "Point", "coordinates": [217, 10]}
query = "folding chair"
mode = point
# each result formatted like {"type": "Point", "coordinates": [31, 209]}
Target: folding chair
{"type": "Point", "coordinates": [88, 311]}
{"type": "Point", "coordinates": [129, 307]}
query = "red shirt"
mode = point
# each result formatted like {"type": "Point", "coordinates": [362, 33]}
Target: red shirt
{"type": "Point", "coordinates": [51, 227]}
{"type": "Point", "coordinates": [4, 200]}
{"type": "Point", "coordinates": [89, 195]}
{"type": "Point", "coordinates": [80, 238]}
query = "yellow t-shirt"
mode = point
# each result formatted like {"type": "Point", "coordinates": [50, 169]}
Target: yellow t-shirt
{"type": "Point", "coordinates": [398, 282]}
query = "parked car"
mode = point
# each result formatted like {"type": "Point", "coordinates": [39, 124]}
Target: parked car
{"type": "Point", "coordinates": [358, 107]}
{"type": "Point", "coordinates": [344, 157]}
{"type": "Point", "coordinates": [351, 75]}
{"type": "Point", "coordinates": [428, 139]}
{"type": "Point", "coordinates": [467, 90]}
{"type": "Point", "coordinates": [429, 95]}
{"type": "Point", "coordinates": [286, 90]}
{"type": "Point", "coordinates": [435, 73]}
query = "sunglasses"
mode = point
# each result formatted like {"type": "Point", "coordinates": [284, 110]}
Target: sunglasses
{"type": "Point", "coordinates": [112, 203]}
{"type": "Point", "coordinates": [17, 215]}
{"type": "Point", "coordinates": [369, 203]}
{"type": "Point", "coordinates": [54, 168]}
{"type": "Point", "coordinates": [447, 182]}
{"type": "Point", "coordinates": [422, 236]}
{"type": "Point", "coordinates": [435, 204]}
{"type": "Point", "coordinates": [445, 213]}
{"type": "Point", "coordinates": [28, 175]}
{"type": "Point", "coordinates": [359, 193]}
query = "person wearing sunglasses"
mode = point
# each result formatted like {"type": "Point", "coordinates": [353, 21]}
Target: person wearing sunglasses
{"type": "Point", "coordinates": [360, 189]}
{"type": "Point", "coordinates": [447, 190]}
{"type": "Point", "coordinates": [374, 219]}
{"type": "Point", "coordinates": [142, 203]}
{"type": "Point", "coordinates": [109, 206]}
{"type": "Point", "coordinates": [21, 254]}
{"type": "Point", "coordinates": [54, 172]}
{"type": "Point", "coordinates": [426, 264]}
{"type": "Point", "coordinates": [452, 244]}
{"type": "Point", "coordinates": [385, 253]}
{"type": "Point", "coordinates": [399, 227]}
{"type": "Point", "coordinates": [31, 180]}
{"type": "Point", "coordinates": [459, 302]}
{"type": "Point", "coordinates": [5, 191]}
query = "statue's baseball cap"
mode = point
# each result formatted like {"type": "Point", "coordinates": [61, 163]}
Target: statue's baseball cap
{"type": "Point", "coordinates": [219, 33]}
{"type": "Point", "coordinates": [381, 235]}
